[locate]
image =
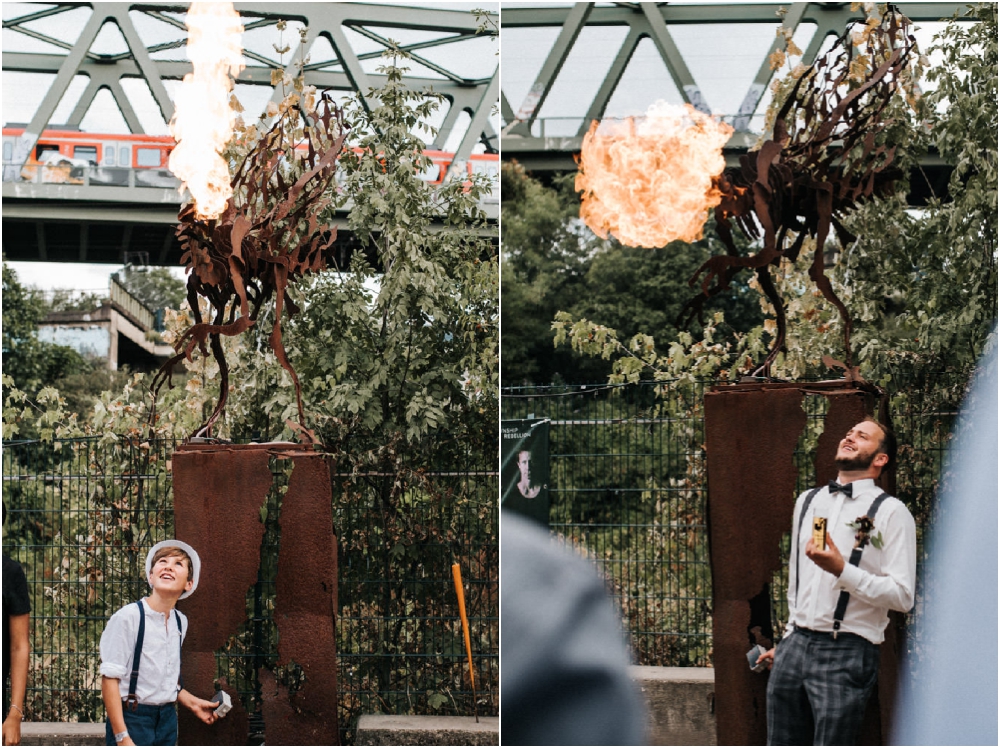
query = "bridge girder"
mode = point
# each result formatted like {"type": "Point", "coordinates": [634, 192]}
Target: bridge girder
{"type": "Point", "coordinates": [523, 134]}
{"type": "Point", "coordinates": [465, 93]}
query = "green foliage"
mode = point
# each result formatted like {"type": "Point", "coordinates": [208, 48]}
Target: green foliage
{"type": "Point", "coordinates": [153, 286]}
{"type": "Point", "coordinates": [925, 284]}
{"type": "Point", "coordinates": [403, 342]}
{"type": "Point", "coordinates": [28, 363]}
{"type": "Point", "coordinates": [33, 367]}
{"type": "Point", "coordinates": [553, 264]}
{"type": "Point", "coordinates": [543, 267]}
{"type": "Point", "coordinates": [82, 390]}
{"type": "Point", "coordinates": [68, 300]}
{"type": "Point", "coordinates": [21, 311]}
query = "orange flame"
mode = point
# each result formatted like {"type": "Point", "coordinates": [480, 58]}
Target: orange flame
{"type": "Point", "coordinates": [651, 180]}
{"type": "Point", "coordinates": [203, 121]}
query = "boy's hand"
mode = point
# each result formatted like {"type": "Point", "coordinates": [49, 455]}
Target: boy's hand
{"type": "Point", "coordinates": [12, 729]}
{"type": "Point", "coordinates": [203, 710]}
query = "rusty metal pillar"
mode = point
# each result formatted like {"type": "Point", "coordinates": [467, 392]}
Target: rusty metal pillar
{"type": "Point", "coordinates": [218, 494]}
{"type": "Point", "coordinates": [751, 432]}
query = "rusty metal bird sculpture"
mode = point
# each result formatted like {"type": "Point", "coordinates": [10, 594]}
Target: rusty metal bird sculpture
{"type": "Point", "coordinates": [824, 158]}
{"type": "Point", "coordinates": [270, 235]}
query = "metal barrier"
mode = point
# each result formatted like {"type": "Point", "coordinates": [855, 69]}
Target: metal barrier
{"type": "Point", "coordinates": [627, 486]}
{"type": "Point", "coordinates": [570, 127]}
{"type": "Point", "coordinates": [624, 484]}
{"type": "Point", "coordinates": [135, 308]}
{"type": "Point", "coordinates": [89, 175]}
{"type": "Point", "coordinates": [81, 515]}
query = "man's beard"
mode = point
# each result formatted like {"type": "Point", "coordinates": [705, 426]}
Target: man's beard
{"type": "Point", "coordinates": [858, 462]}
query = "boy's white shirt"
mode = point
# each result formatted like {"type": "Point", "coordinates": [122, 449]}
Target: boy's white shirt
{"type": "Point", "coordinates": [160, 665]}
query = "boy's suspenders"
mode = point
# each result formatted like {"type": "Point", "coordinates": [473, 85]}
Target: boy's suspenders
{"type": "Point", "coordinates": [132, 701]}
{"type": "Point", "coordinates": [855, 559]}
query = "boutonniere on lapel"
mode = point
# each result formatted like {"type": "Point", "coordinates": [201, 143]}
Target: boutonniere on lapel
{"type": "Point", "coordinates": [863, 527]}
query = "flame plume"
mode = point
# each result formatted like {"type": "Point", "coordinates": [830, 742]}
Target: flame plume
{"type": "Point", "coordinates": [651, 180]}
{"type": "Point", "coordinates": [203, 121]}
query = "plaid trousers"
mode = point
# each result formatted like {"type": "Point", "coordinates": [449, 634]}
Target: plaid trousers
{"type": "Point", "coordinates": [818, 688]}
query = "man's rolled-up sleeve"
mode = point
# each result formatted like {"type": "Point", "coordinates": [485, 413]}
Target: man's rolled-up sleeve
{"type": "Point", "coordinates": [894, 587]}
{"type": "Point", "coordinates": [117, 645]}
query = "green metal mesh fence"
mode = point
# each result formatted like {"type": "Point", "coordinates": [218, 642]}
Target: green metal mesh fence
{"type": "Point", "coordinates": [627, 486]}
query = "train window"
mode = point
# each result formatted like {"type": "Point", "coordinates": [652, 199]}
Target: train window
{"type": "Point", "coordinates": [147, 156]}
{"type": "Point", "coordinates": [88, 152]}
{"type": "Point", "coordinates": [109, 155]}
{"type": "Point", "coordinates": [123, 158]}
{"type": "Point", "coordinates": [8, 151]}
{"type": "Point", "coordinates": [45, 148]}
{"type": "Point", "coordinates": [432, 173]}
{"type": "Point", "coordinates": [484, 167]}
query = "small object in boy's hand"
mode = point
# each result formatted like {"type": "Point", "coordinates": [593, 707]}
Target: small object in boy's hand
{"type": "Point", "coordinates": [752, 656]}
{"type": "Point", "coordinates": [224, 703]}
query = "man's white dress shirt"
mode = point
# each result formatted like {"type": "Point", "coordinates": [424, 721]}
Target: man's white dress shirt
{"type": "Point", "coordinates": [884, 580]}
{"type": "Point", "coordinates": [160, 663]}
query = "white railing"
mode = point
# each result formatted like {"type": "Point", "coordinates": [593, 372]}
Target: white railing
{"type": "Point", "coordinates": [112, 176]}
{"type": "Point", "coordinates": [569, 127]}
{"type": "Point", "coordinates": [132, 306]}
{"type": "Point", "coordinates": [89, 176]}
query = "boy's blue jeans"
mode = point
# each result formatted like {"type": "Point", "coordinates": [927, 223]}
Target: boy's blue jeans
{"type": "Point", "coordinates": [147, 725]}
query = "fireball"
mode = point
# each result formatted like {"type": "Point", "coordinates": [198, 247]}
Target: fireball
{"type": "Point", "coordinates": [203, 120]}
{"type": "Point", "coordinates": [651, 180]}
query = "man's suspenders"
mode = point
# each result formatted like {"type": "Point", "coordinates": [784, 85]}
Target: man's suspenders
{"type": "Point", "coordinates": [798, 533]}
{"type": "Point", "coordinates": [132, 701]}
{"type": "Point", "coordinates": [838, 614]}
{"type": "Point", "coordinates": [855, 559]}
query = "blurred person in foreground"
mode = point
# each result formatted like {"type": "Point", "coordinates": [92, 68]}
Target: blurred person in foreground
{"type": "Point", "coordinates": [952, 699]}
{"type": "Point", "coordinates": [825, 667]}
{"type": "Point", "coordinates": [564, 677]}
{"type": "Point", "coordinates": [16, 609]}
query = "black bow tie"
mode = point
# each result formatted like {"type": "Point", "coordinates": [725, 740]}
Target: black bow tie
{"type": "Point", "coordinates": [847, 490]}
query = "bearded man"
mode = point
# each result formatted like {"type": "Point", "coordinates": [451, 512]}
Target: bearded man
{"type": "Point", "coordinates": [825, 667]}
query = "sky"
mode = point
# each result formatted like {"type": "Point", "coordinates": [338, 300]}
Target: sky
{"type": "Point", "coordinates": [722, 58]}
{"type": "Point", "coordinates": [78, 276]}
{"type": "Point", "coordinates": [23, 92]}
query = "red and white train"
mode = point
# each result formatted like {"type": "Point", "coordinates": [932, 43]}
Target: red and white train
{"type": "Point", "coordinates": [65, 155]}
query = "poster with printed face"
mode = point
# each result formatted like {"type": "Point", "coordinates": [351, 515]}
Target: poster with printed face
{"type": "Point", "coordinates": [524, 471]}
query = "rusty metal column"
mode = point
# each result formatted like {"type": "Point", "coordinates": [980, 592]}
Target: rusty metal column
{"type": "Point", "coordinates": [305, 611]}
{"type": "Point", "coordinates": [218, 493]}
{"type": "Point", "coordinates": [751, 432]}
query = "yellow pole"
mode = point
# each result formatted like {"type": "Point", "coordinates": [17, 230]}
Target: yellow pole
{"type": "Point", "coordinates": [456, 573]}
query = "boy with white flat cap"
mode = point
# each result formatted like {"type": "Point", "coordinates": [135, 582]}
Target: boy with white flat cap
{"type": "Point", "coordinates": [141, 654]}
